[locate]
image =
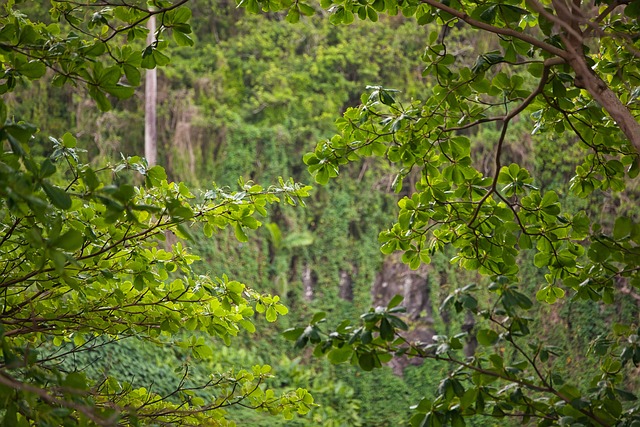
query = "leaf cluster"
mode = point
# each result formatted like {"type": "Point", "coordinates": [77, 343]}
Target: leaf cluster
{"type": "Point", "coordinates": [82, 259]}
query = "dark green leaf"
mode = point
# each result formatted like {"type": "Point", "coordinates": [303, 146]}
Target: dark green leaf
{"type": "Point", "coordinates": [57, 196]}
{"type": "Point", "coordinates": [366, 361]}
{"type": "Point", "coordinates": [32, 69]}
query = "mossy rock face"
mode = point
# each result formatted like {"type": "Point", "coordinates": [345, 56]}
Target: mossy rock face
{"type": "Point", "coordinates": [396, 278]}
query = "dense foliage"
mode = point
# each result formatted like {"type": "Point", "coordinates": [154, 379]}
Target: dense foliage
{"type": "Point", "coordinates": [83, 263]}
{"type": "Point", "coordinates": [491, 218]}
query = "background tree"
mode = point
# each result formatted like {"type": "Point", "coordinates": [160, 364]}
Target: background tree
{"type": "Point", "coordinates": [151, 101]}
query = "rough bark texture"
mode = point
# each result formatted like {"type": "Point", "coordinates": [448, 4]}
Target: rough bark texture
{"type": "Point", "coordinates": [601, 92]}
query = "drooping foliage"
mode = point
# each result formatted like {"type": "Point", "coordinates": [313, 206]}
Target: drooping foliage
{"type": "Point", "coordinates": [92, 255]}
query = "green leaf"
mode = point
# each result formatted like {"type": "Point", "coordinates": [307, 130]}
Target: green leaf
{"type": "Point", "coordinates": [598, 252]}
{"type": "Point", "coordinates": [181, 15]}
{"type": "Point", "coordinates": [182, 39]}
{"type": "Point", "coordinates": [57, 196]}
{"type": "Point", "coordinates": [69, 141]}
{"type": "Point", "coordinates": [622, 228]}
{"type": "Point", "coordinates": [203, 351]}
{"type": "Point", "coordinates": [160, 58]}
{"type": "Point", "coordinates": [387, 332]}
{"type": "Point", "coordinates": [100, 98]}
{"type": "Point", "coordinates": [625, 395]}
{"type": "Point", "coordinates": [632, 10]}
{"type": "Point", "coordinates": [542, 259]}
{"type": "Point", "coordinates": [372, 14]}
{"type": "Point", "coordinates": [70, 241]}
{"type": "Point", "coordinates": [488, 14]}
{"type": "Point", "coordinates": [10, 416]}
{"type": "Point", "coordinates": [109, 76]}
{"type": "Point", "coordinates": [148, 60]}
{"type": "Point", "coordinates": [395, 301]}
{"type": "Point", "coordinates": [119, 91]}
{"type": "Point", "coordinates": [550, 294]}
{"type": "Point", "coordinates": [366, 361]}
{"type": "Point", "coordinates": [294, 15]}
{"type": "Point", "coordinates": [306, 10]}
{"type": "Point", "coordinates": [32, 69]}
{"type": "Point", "coordinates": [240, 234]}
{"type": "Point", "coordinates": [292, 334]}
{"type": "Point", "coordinates": [76, 380]}
{"type": "Point", "coordinates": [155, 176]}
{"type": "Point", "coordinates": [340, 355]}
{"type": "Point", "coordinates": [96, 49]}
{"type": "Point", "coordinates": [319, 316]}
{"type": "Point", "coordinates": [132, 74]}
{"type": "Point", "coordinates": [271, 314]}
{"type": "Point", "coordinates": [47, 168]}
{"type": "Point", "coordinates": [182, 231]}
{"type": "Point", "coordinates": [487, 337]}
{"type": "Point", "coordinates": [322, 176]}
{"type": "Point", "coordinates": [235, 287]}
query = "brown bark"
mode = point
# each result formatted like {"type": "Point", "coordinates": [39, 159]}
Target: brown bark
{"type": "Point", "coordinates": [602, 93]}
{"type": "Point", "coordinates": [586, 78]}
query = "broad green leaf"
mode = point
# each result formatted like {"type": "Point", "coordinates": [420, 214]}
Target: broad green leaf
{"type": "Point", "coordinates": [486, 337]}
{"type": "Point", "coordinates": [622, 228]}
{"type": "Point", "coordinates": [57, 196]}
{"type": "Point", "coordinates": [271, 314]}
{"type": "Point", "coordinates": [339, 355]}
{"type": "Point", "coordinates": [70, 241]}
{"type": "Point", "coordinates": [240, 234]}
{"type": "Point", "coordinates": [32, 69]}
{"type": "Point", "coordinates": [182, 39]}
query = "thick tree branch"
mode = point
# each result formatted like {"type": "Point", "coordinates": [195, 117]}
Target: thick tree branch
{"type": "Point", "coordinates": [564, 19]}
{"type": "Point", "coordinates": [585, 77]}
{"type": "Point", "coordinates": [602, 93]}
{"type": "Point", "coordinates": [497, 30]}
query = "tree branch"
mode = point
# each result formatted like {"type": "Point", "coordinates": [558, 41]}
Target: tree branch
{"type": "Point", "coordinates": [586, 78]}
{"type": "Point", "coordinates": [14, 384]}
{"type": "Point", "coordinates": [506, 119]}
{"type": "Point", "coordinates": [497, 30]}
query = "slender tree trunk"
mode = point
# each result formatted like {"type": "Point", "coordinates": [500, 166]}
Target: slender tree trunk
{"type": "Point", "coordinates": [151, 95]}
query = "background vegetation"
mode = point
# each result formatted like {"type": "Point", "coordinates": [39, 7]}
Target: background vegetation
{"type": "Point", "coordinates": [254, 95]}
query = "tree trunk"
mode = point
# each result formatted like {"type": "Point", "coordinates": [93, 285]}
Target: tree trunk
{"type": "Point", "coordinates": [151, 95]}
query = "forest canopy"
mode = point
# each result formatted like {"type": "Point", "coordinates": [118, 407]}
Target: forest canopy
{"type": "Point", "coordinates": [83, 262]}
